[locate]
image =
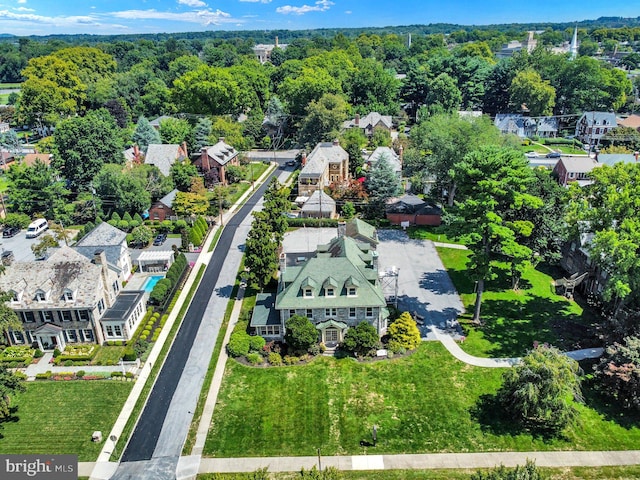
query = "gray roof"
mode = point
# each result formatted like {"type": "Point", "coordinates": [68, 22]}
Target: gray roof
{"type": "Point", "coordinates": [319, 202]}
{"type": "Point", "coordinates": [514, 123]}
{"type": "Point", "coordinates": [578, 164]}
{"type": "Point", "coordinates": [599, 118]}
{"type": "Point", "coordinates": [612, 158]}
{"type": "Point", "coordinates": [163, 156]}
{"type": "Point", "coordinates": [221, 152]}
{"type": "Point", "coordinates": [323, 154]}
{"type": "Point", "coordinates": [156, 121]}
{"type": "Point", "coordinates": [547, 124]}
{"type": "Point", "coordinates": [370, 120]}
{"type": "Point", "coordinates": [103, 235]}
{"type": "Point", "coordinates": [65, 270]}
{"type": "Point", "coordinates": [169, 198]}
{"type": "Point", "coordinates": [264, 312]}
{"type": "Point", "coordinates": [111, 252]}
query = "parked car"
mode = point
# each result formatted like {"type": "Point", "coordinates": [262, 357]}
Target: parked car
{"type": "Point", "coordinates": [291, 163]}
{"type": "Point", "coordinates": [553, 155]}
{"type": "Point", "coordinates": [7, 257]}
{"type": "Point", "coordinates": [532, 154]}
{"type": "Point", "coordinates": [159, 240]}
{"type": "Point", "coordinates": [9, 232]}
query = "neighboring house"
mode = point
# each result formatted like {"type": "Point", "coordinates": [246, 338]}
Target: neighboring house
{"type": "Point", "coordinates": [370, 122]}
{"type": "Point", "coordinates": [327, 163]}
{"type": "Point", "coordinates": [360, 231]}
{"type": "Point", "coordinates": [214, 160]}
{"type": "Point", "coordinates": [63, 300]}
{"type": "Point", "coordinates": [113, 242]}
{"type": "Point", "coordinates": [165, 155]}
{"type": "Point", "coordinates": [547, 127]}
{"type": "Point", "coordinates": [155, 123]}
{"type": "Point", "coordinates": [508, 49]}
{"type": "Point", "coordinates": [336, 289]}
{"type": "Point", "coordinates": [4, 127]}
{"type": "Point", "coordinates": [612, 158]}
{"type": "Point", "coordinates": [592, 126]}
{"type": "Point", "coordinates": [132, 155]}
{"type": "Point", "coordinates": [31, 158]}
{"type": "Point", "coordinates": [515, 124]}
{"type": "Point", "coordinates": [632, 121]}
{"type": "Point", "coordinates": [163, 209]}
{"type": "Point", "coordinates": [319, 205]}
{"type": "Point", "coordinates": [576, 260]}
{"type": "Point", "coordinates": [6, 159]}
{"type": "Point", "coordinates": [393, 159]}
{"type": "Point", "coordinates": [262, 51]}
{"type": "Point", "coordinates": [574, 169]}
{"type": "Point", "coordinates": [412, 210]}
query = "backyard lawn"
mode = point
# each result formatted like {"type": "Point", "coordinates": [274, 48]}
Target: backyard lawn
{"type": "Point", "coordinates": [426, 402]}
{"type": "Point", "coordinates": [59, 417]}
{"type": "Point", "coordinates": [513, 321]}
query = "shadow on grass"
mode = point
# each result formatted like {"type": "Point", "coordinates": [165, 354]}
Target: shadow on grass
{"type": "Point", "coordinates": [514, 326]}
{"type": "Point", "coordinates": [607, 406]}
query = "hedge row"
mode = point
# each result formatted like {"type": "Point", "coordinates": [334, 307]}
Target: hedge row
{"type": "Point", "coordinates": [164, 287]}
{"type": "Point", "coordinates": [312, 222]}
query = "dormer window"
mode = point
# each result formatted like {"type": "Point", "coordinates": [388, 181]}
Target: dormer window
{"type": "Point", "coordinates": [14, 296]}
{"type": "Point", "coordinates": [40, 296]}
{"type": "Point", "coordinates": [67, 295]}
{"type": "Point", "coordinates": [352, 292]}
{"type": "Point", "coordinates": [330, 292]}
{"type": "Point", "coordinates": [308, 293]}
{"type": "Point", "coordinates": [330, 285]}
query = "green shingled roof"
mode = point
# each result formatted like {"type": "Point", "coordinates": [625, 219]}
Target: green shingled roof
{"type": "Point", "coordinates": [357, 227]}
{"type": "Point", "coordinates": [343, 263]}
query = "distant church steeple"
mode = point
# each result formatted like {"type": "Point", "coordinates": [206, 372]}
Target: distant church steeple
{"type": "Point", "coordinates": [573, 49]}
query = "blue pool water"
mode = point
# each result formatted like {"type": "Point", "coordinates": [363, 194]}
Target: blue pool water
{"type": "Point", "coordinates": [150, 282]}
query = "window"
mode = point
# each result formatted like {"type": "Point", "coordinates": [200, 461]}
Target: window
{"type": "Point", "coordinates": [309, 313]}
{"type": "Point", "coordinates": [19, 338]}
{"type": "Point", "coordinates": [71, 335]}
{"type": "Point", "coordinates": [308, 293]}
{"type": "Point", "coordinates": [83, 315]}
{"type": "Point", "coordinates": [66, 315]}
{"type": "Point", "coordinates": [109, 330]}
{"type": "Point", "coordinates": [330, 312]}
{"type": "Point", "coordinates": [292, 312]}
{"type": "Point", "coordinates": [40, 296]}
{"type": "Point", "coordinates": [352, 292]}
{"type": "Point", "coordinates": [269, 330]}
{"type": "Point", "coordinates": [101, 305]}
{"type": "Point", "coordinates": [330, 292]}
{"type": "Point", "coordinates": [28, 317]}
{"type": "Point", "coordinates": [116, 287]}
{"type": "Point", "coordinates": [352, 312]}
{"type": "Point", "coordinates": [88, 334]}
{"type": "Point", "coordinates": [117, 330]}
{"type": "Point", "coordinates": [68, 296]}
{"type": "Point", "coordinates": [369, 312]}
{"type": "Point", "coordinates": [46, 316]}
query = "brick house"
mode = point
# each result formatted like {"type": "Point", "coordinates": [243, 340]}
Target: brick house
{"type": "Point", "coordinates": [163, 209]}
{"type": "Point", "coordinates": [592, 126]}
{"type": "Point", "coordinates": [327, 163]}
{"type": "Point", "coordinates": [214, 160]}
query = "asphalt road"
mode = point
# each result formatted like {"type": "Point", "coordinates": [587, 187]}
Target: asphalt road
{"type": "Point", "coordinates": [143, 442]}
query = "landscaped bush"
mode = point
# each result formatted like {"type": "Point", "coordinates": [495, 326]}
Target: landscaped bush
{"type": "Point", "coordinates": [254, 358]}
{"type": "Point", "coordinates": [116, 374]}
{"type": "Point", "coordinates": [43, 376]}
{"type": "Point", "coordinates": [17, 354]}
{"type": "Point", "coordinates": [312, 222]}
{"type": "Point", "coordinates": [56, 353]}
{"type": "Point", "coordinates": [256, 343]}
{"type": "Point", "coordinates": [129, 354]}
{"type": "Point", "coordinates": [76, 353]}
{"type": "Point", "coordinates": [80, 373]}
{"type": "Point", "coordinates": [239, 344]}
{"type": "Point", "coordinates": [275, 359]}
{"type": "Point", "coordinates": [291, 360]}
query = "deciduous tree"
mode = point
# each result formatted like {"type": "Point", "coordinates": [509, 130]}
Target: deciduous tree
{"type": "Point", "coordinates": [300, 334]}
{"type": "Point", "coordinates": [361, 339]}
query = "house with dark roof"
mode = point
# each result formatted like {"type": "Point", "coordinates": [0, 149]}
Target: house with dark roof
{"type": "Point", "coordinates": [327, 163]}
{"type": "Point", "coordinates": [547, 127]}
{"type": "Point", "coordinates": [575, 169]}
{"type": "Point", "coordinates": [214, 160]}
{"type": "Point", "coordinates": [113, 242]}
{"type": "Point", "coordinates": [337, 288]}
{"type": "Point", "coordinates": [369, 123]}
{"type": "Point", "coordinates": [63, 299]}
{"type": "Point", "coordinates": [515, 124]}
{"type": "Point", "coordinates": [592, 126]}
{"type": "Point", "coordinates": [165, 155]}
{"type": "Point", "coordinates": [412, 210]}
{"type": "Point", "coordinates": [319, 205]}
{"type": "Point", "coordinates": [155, 123]}
{"type": "Point", "coordinates": [163, 209]}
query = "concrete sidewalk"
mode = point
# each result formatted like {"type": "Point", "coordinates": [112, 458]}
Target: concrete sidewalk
{"type": "Point", "coordinates": [44, 366]}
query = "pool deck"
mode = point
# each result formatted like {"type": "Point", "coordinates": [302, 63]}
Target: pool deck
{"type": "Point", "coordinates": [136, 281]}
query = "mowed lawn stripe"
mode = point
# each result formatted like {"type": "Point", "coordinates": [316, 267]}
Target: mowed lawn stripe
{"type": "Point", "coordinates": [59, 417]}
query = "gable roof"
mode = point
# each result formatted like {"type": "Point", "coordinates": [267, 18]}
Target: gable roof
{"type": "Point", "coordinates": [547, 124]}
{"type": "Point", "coordinates": [103, 235]}
{"type": "Point", "coordinates": [577, 164]}
{"type": "Point", "coordinates": [514, 123]}
{"type": "Point", "coordinates": [343, 261]}
{"type": "Point", "coordinates": [632, 121]}
{"type": "Point", "coordinates": [390, 155]}
{"type": "Point", "coordinates": [359, 228]}
{"type": "Point", "coordinates": [163, 156]}
{"type": "Point", "coordinates": [598, 118]}
{"type": "Point", "coordinates": [66, 269]}
{"type": "Point", "coordinates": [319, 202]}
{"type": "Point", "coordinates": [168, 199]}
{"type": "Point", "coordinates": [323, 154]}
{"type": "Point", "coordinates": [612, 158]}
{"type": "Point", "coordinates": [30, 158]}
{"type": "Point", "coordinates": [155, 123]}
{"type": "Point", "coordinates": [369, 121]}
{"type": "Point", "coordinates": [222, 153]}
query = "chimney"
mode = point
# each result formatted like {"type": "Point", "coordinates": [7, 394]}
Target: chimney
{"type": "Point", "coordinates": [336, 142]}
{"type": "Point", "coordinates": [357, 120]}
{"type": "Point", "coordinates": [99, 258]}
{"type": "Point", "coordinates": [136, 153]}
{"type": "Point", "coordinates": [220, 139]}
{"type": "Point", "coordinates": [185, 152]}
{"type": "Point", "coordinates": [303, 158]}
{"type": "Point", "coordinates": [636, 154]}
{"type": "Point", "coordinates": [342, 229]}
{"type": "Point", "coordinates": [204, 159]}
{"type": "Point", "coordinates": [276, 40]}
{"type": "Point", "coordinates": [283, 262]}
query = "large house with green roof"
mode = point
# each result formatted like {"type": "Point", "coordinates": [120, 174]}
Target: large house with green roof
{"type": "Point", "coordinates": [336, 287]}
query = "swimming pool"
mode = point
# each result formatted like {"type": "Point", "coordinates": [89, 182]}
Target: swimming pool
{"type": "Point", "coordinates": [150, 282]}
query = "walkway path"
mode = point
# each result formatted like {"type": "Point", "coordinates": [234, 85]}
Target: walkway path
{"type": "Point", "coordinates": [44, 366]}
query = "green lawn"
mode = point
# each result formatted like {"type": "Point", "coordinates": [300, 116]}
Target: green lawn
{"type": "Point", "coordinates": [513, 321]}
{"type": "Point", "coordinates": [435, 234]}
{"type": "Point", "coordinates": [59, 417]}
{"type": "Point", "coordinates": [575, 473]}
{"type": "Point", "coordinates": [427, 402]}
{"type": "Point", "coordinates": [108, 356]}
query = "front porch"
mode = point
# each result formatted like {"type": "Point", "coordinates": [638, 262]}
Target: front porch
{"type": "Point", "coordinates": [50, 337]}
{"type": "Point", "coordinates": [332, 332]}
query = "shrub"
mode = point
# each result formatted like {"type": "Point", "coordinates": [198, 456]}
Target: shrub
{"type": "Point", "coordinates": [68, 363]}
{"type": "Point", "coordinates": [291, 360]}
{"type": "Point", "coordinates": [56, 353]}
{"type": "Point", "coordinates": [239, 344]}
{"type": "Point", "coordinates": [80, 373]}
{"type": "Point", "coordinates": [275, 359]}
{"type": "Point", "coordinates": [128, 375]}
{"type": "Point", "coordinates": [256, 343]}
{"type": "Point", "coordinates": [404, 332]}
{"type": "Point", "coordinates": [116, 374]}
{"type": "Point", "coordinates": [301, 333]}
{"type": "Point", "coordinates": [254, 358]}
{"type": "Point", "coordinates": [43, 376]}
{"type": "Point", "coordinates": [20, 375]}
{"type": "Point", "coordinates": [129, 354]}
{"type": "Point", "coordinates": [38, 353]}
{"type": "Point", "coordinates": [361, 339]}
{"type": "Point", "coordinates": [146, 332]}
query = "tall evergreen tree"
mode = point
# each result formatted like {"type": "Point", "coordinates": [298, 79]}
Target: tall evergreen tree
{"type": "Point", "coordinates": [145, 134]}
{"type": "Point", "coordinates": [382, 184]}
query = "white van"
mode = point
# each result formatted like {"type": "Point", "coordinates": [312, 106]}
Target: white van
{"type": "Point", "coordinates": [37, 227]}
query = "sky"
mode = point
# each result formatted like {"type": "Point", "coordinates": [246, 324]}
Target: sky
{"type": "Point", "coordinates": [45, 17]}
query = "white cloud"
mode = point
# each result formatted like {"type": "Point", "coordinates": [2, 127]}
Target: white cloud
{"type": "Point", "coordinates": [348, 12]}
{"type": "Point", "coordinates": [203, 17]}
{"type": "Point", "coordinates": [24, 9]}
{"type": "Point", "coordinates": [55, 21]}
{"type": "Point", "coordinates": [192, 3]}
{"type": "Point", "coordinates": [255, 1]}
{"type": "Point", "coordinates": [320, 6]}
{"type": "Point", "coordinates": [22, 1]}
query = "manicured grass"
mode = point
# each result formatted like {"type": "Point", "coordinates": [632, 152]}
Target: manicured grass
{"type": "Point", "coordinates": [436, 234]}
{"type": "Point", "coordinates": [108, 356]}
{"type": "Point", "coordinates": [426, 402]}
{"type": "Point", "coordinates": [514, 320]}
{"type": "Point", "coordinates": [575, 473]}
{"type": "Point", "coordinates": [4, 98]}
{"type": "Point", "coordinates": [10, 85]}
{"type": "Point", "coordinates": [59, 417]}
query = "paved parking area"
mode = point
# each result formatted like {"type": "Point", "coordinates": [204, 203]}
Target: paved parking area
{"type": "Point", "coordinates": [20, 245]}
{"type": "Point", "coordinates": [424, 285]}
